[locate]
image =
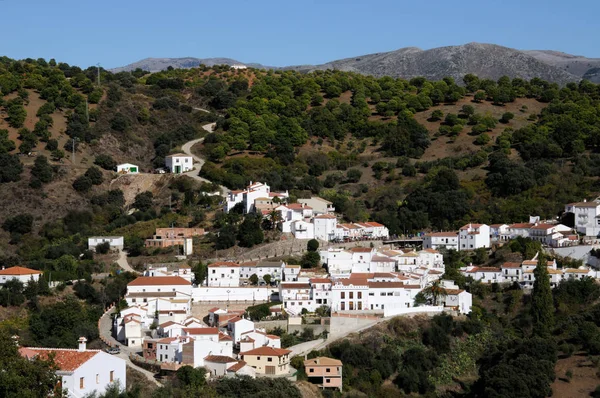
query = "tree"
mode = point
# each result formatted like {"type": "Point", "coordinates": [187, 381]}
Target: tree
{"type": "Point", "coordinates": [542, 307]}
{"type": "Point", "coordinates": [312, 245]}
{"type": "Point", "coordinates": [435, 291]}
{"type": "Point", "coordinates": [253, 279]}
{"type": "Point", "coordinates": [267, 279]}
{"type": "Point", "coordinates": [436, 115]}
{"type": "Point", "coordinates": [192, 378]}
{"type": "Point", "coordinates": [467, 110]}
{"type": "Point", "coordinates": [21, 224]}
{"type": "Point", "coordinates": [82, 184]}
{"type": "Point", "coordinates": [10, 168]}
{"type": "Point", "coordinates": [250, 233]}
{"type": "Point", "coordinates": [103, 248]}
{"type": "Point", "coordinates": [479, 96]}
{"type": "Point", "coordinates": [506, 117]}
{"type": "Point", "coordinates": [143, 201]}
{"type": "Point", "coordinates": [95, 175]}
{"type": "Point", "coordinates": [42, 170]}
{"type": "Point", "coordinates": [310, 260]}
{"type": "Point", "coordinates": [106, 162]}
{"type": "Point", "coordinates": [120, 122]}
{"type": "Point", "coordinates": [353, 175]}
{"type": "Point", "coordinates": [200, 272]}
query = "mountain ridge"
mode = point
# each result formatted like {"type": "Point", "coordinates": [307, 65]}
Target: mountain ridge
{"type": "Point", "coordinates": [482, 59]}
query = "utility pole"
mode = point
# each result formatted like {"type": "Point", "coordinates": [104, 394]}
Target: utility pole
{"type": "Point", "coordinates": [98, 65]}
{"type": "Point", "coordinates": [87, 110]}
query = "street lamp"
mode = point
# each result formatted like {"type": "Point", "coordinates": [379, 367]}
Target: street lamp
{"type": "Point", "coordinates": [228, 291]}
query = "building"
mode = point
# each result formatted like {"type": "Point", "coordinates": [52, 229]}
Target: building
{"type": "Point", "coordinates": [128, 168]}
{"type": "Point", "coordinates": [173, 233]}
{"type": "Point", "coordinates": [179, 163]}
{"type": "Point", "coordinates": [499, 232]}
{"type": "Point", "coordinates": [319, 205]}
{"type": "Point", "coordinates": [261, 268]}
{"type": "Point", "coordinates": [223, 274]}
{"type": "Point", "coordinates": [441, 240]}
{"type": "Point", "coordinates": [474, 236]}
{"type": "Point", "coordinates": [325, 372]}
{"type": "Point", "coordinates": [169, 237]}
{"type": "Point", "coordinates": [268, 360]}
{"type": "Point", "coordinates": [21, 274]}
{"type": "Point", "coordinates": [302, 229]}
{"type": "Point", "coordinates": [147, 290]}
{"type": "Point", "coordinates": [485, 274]}
{"type": "Point", "coordinates": [248, 196]}
{"type": "Point", "coordinates": [217, 365]}
{"type": "Point", "coordinates": [587, 216]}
{"type": "Point", "coordinates": [325, 227]}
{"type": "Point", "coordinates": [373, 230]}
{"type": "Point", "coordinates": [82, 371]}
{"type": "Point", "coordinates": [115, 242]}
{"type": "Point", "coordinates": [455, 298]}
{"type": "Point", "coordinates": [296, 296]}
{"type": "Point", "coordinates": [519, 229]}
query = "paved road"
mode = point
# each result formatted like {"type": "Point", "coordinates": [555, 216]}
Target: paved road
{"type": "Point", "coordinates": [122, 262]}
{"type": "Point", "coordinates": [198, 161]}
{"type": "Point", "coordinates": [105, 326]}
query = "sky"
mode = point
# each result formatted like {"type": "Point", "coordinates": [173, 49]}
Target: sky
{"type": "Point", "coordinates": [279, 33]}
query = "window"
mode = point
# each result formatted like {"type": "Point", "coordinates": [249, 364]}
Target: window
{"type": "Point", "coordinates": [382, 294]}
{"type": "Point", "coordinates": [359, 295]}
{"type": "Point", "coordinates": [81, 382]}
{"type": "Point", "coordinates": [327, 370]}
{"type": "Point", "coordinates": [269, 359]}
{"type": "Point", "coordinates": [150, 346]}
{"type": "Point", "coordinates": [371, 294]}
{"type": "Point", "coordinates": [327, 380]}
{"type": "Point", "coordinates": [343, 295]}
{"type": "Point", "coordinates": [97, 378]}
{"type": "Point", "coordinates": [351, 295]}
{"type": "Point", "coordinates": [232, 271]}
{"type": "Point", "coordinates": [312, 370]}
{"type": "Point", "coordinates": [214, 271]}
{"type": "Point", "coordinates": [258, 358]}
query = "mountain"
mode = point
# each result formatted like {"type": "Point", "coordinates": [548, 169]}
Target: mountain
{"type": "Point", "coordinates": [158, 64]}
{"type": "Point", "coordinates": [587, 68]}
{"type": "Point", "coordinates": [484, 60]}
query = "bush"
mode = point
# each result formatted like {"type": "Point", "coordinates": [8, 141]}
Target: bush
{"type": "Point", "coordinates": [106, 162]}
{"type": "Point", "coordinates": [103, 248]}
{"type": "Point", "coordinates": [82, 184]}
{"type": "Point", "coordinates": [21, 224]}
{"type": "Point", "coordinates": [95, 175]}
{"type": "Point", "coordinates": [353, 175]}
{"type": "Point", "coordinates": [312, 245]}
{"type": "Point", "coordinates": [506, 117]}
{"type": "Point", "coordinates": [482, 139]}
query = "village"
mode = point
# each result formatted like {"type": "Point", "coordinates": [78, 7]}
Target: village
{"type": "Point", "coordinates": [172, 319]}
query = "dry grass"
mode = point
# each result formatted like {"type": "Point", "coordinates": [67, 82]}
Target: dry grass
{"type": "Point", "coordinates": [585, 377]}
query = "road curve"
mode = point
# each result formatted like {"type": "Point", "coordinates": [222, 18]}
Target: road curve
{"type": "Point", "coordinates": [198, 161]}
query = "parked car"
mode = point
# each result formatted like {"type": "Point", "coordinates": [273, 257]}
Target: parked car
{"type": "Point", "coordinates": [113, 350]}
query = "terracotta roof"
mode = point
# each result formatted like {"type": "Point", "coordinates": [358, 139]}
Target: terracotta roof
{"type": "Point", "coordinates": [238, 191]}
{"type": "Point", "coordinates": [322, 361]}
{"type": "Point", "coordinates": [320, 280]}
{"type": "Point", "coordinates": [452, 292]}
{"type": "Point", "coordinates": [412, 287]}
{"type": "Point", "coordinates": [361, 250]}
{"type": "Point", "coordinates": [168, 340]}
{"type": "Point", "coordinates": [292, 266]}
{"type": "Point", "coordinates": [290, 286]}
{"type": "Point", "coordinates": [510, 265]}
{"type": "Point", "coordinates": [214, 309]}
{"type": "Point", "coordinates": [467, 226]}
{"type": "Point", "coordinates": [322, 216]}
{"type": "Point", "coordinates": [543, 226]}
{"type": "Point", "coordinates": [522, 225]}
{"type": "Point", "coordinates": [430, 251]}
{"type": "Point", "coordinates": [348, 226]}
{"type": "Point", "coordinates": [158, 281]}
{"type": "Point", "coordinates": [237, 366]}
{"type": "Point", "coordinates": [201, 331]}
{"type": "Point", "coordinates": [361, 275]}
{"type": "Point", "coordinates": [17, 270]}
{"type": "Point", "coordinates": [484, 269]}
{"type": "Point", "coordinates": [273, 337]}
{"type": "Point", "coordinates": [223, 264]}
{"type": "Point", "coordinates": [172, 311]}
{"type": "Point", "coordinates": [151, 294]}
{"type": "Point", "coordinates": [224, 337]}
{"type": "Point", "coordinates": [353, 282]}
{"type": "Point", "coordinates": [374, 224]}
{"type": "Point", "coordinates": [65, 359]}
{"type": "Point", "coordinates": [381, 259]}
{"type": "Point", "coordinates": [297, 206]}
{"type": "Point", "coordinates": [267, 351]}
{"type": "Point", "coordinates": [219, 359]}
{"type": "Point", "coordinates": [443, 234]}
{"type": "Point", "coordinates": [577, 271]}
{"type": "Point", "coordinates": [247, 339]}
{"type": "Point", "coordinates": [384, 275]}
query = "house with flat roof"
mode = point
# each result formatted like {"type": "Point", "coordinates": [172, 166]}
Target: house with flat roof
{"type": "Point", "coordinates": [325, 372]}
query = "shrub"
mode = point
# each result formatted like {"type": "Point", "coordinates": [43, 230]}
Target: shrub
{"type": "Point", "coordinates": [95, 175]}
{"type": "Point", "coordinates": [82, 184]}
{"type": "Point", "coordinates": [106, 162]}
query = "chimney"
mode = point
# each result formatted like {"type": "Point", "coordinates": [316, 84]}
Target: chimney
{"type": "Point", "coordinates": [82, 341]}
{"type": "Point", "coordinates": [584, 200]}
{"type": "Point", "coordinates": [15, 338]}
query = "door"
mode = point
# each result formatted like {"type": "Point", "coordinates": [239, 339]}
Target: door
{"type": "Point", "coordinates": [270, 370]}
{"type": "Point", "coordinates": [177, 169]}
{"type": "Point", "coordinates": [133, 170]}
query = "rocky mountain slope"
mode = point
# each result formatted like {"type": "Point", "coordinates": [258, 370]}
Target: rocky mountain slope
{"type": "Point", "coordinates": [587, 68]}
{"type": "Point", "coordinates": [158, 64]}
{"type": "Point", "coordinates": [484, 60]}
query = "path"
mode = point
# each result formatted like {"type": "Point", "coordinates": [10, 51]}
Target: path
{"type": "Point", "coordinates": [198, 161]}
{"type": "Point", "coordinates": [105, 329]}
{"type": "Point", "coordinates": [123, 263]}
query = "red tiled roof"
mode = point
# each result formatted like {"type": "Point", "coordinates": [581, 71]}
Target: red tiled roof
{"type": "Point", "coordinates": [374, 224]}
{"type": "Point", "coordinates": [297, 206]}
{"type": "Point", "coordinates": [467, 226]}
{"type": "Point", "coordinates": [237, 366]}
{"type": "Point", "coordinates": [223, 264]}
{"type": "Point", "coordinates": [291, 286]}
{"type": "Point", "coordinates": [17, 270]}
{"type": "Point", "coordinates": [65, 360]}
{"type": "Point", "coordinates": [320, 280]}
{"type": "Point", "coordinates": [201, 331]}
{"type": "Point", "coordinates": [522, 225]}
{"type": "Point", "coordinates": [510, 265]}
{"type": "Point", "coordinates": [219, 359]}
{"type": "Point", "coordinates": [322, 361]}
{"type": "Point", "coordinates": [214, 309]}
{"type": "Point", "coordinates": [452, 292]}
{"type": "Point", "coordinates": [386, 285]}
{"type": "Point", "coordinates": [158, 281]}
{"type": "Point", "coordinates": [273, 337]}
{"type": "Point", "coordinates": [543, 226]}
{"type": "Point", "coordinates": [168, 323]}
{"type": "Point", "coordinates": [267, 351]}
{"type": "Point", "coordinates": [361, 250]}
{"type": "Point", "coordinates": [224, 337]}
{"type": "Point", "coordinates": [322, 216]}
{"type": "Point", "coordinates": [381, 259]}
{"type": "Point", "coordinates": [430, 251]}
{"type": "Point", "coordinates": [168, 340]}
{"type": "Point", "coordinates": [484, 269]}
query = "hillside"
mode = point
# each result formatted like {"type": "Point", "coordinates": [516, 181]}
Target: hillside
{"type": "Point", "coordinates": [484, 60]}
{"type": "Point", "coordinates": [159, 64]}
{"type": "Point", "coordinates": [587, 68]}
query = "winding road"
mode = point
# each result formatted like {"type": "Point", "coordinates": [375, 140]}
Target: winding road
{"type": "Point", "coordinates": [198, 161]}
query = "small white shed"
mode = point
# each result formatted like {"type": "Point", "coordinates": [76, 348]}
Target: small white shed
{"type": "Point", "coordinates": [179, 163]}
{"type": "Point", "coordinates": [128, 168]}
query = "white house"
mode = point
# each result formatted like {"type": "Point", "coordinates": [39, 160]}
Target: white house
{"type": "Point", "coordinates": [519, 229]}
{"type": "Point", "coordinates": [146, 290]}
{"type": "Point", "coordinates": [250, 194]}
{"type": "Point", "coordinates": [474, 236]}
{"type": "Point", "coordinates": [115, 242]}
{"type": "Point", "coordinates": [127, 168]}
{"type": "Point", "coordinates": [441, 240]}
{"type": "Point", "coordinates": [325, 227]}
{"type": "Point", "coordinates": [499, 232]}
{"type": "Point", "coordinates": [206, 341]}
{"type": "Point", "coordinates": [262, 268]}
{"type": "Point", "coordinates": [319, 205]}
{"type": "Point", "coordinates": [455, 298]}
{"type": "Point", "coordinates": [217, 365]}
{"type": "Point", "coordinates": [587, 216]}
{"type": "Point", "coordinates": [22, 274]}
{"type": "Point", "coordinates": [302, 229]}
{"type": "Point", "coordinates": [179, 163]}
{"type": "Point", "coordinates": [238, 326]}
{"type": "Point", "coordinates": [223, 274]}
{"type": "Point", "coordinates": [82, 371]}
{"type": "Point", "coordinates": [373, 229]}
{"type": "Point", "coordinates": [485, 274]}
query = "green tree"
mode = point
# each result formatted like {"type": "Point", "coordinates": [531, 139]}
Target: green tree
{"type": "Point", "coordinates": [95, 175]}
{"type": "Point", "coordinates": [42, 170]}
{"type": "Point", "coordinates": [542, 307]}
{"type": "Point", "coordinates": [312, 245]}
{"type": "Point", "coordinates": [436, 115]}
{"type": "Point", "coordinates": [435, 291]}
{"type": "Point", "coordinates": [82, 184]}
{"type": "Point", "coordinates": [200, 271]}
{"type": "Point", "coordinates": [506, 117]}
{"type": "Point", "coordinates": [21, 224]}
{"type": "Point", "coordinates": [253, 279]}
{"type": "Point", "coordinates": [310, 260]}
{"type": "Point", "coordinates": [267, 279]}
{"type": "Point", "coordinates": [143, 201]}
{"type": "Point", "coordinates": [106, 162]}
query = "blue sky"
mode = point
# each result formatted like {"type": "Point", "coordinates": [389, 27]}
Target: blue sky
{"type": "Point", "coordinates": [278, 33]}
